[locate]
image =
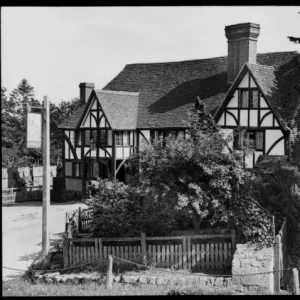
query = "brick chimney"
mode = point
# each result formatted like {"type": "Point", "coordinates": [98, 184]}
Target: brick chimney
{"type": "Point", "coordinates": [85, 90]}
{"type": "Point", "coordinates": [242, 45]}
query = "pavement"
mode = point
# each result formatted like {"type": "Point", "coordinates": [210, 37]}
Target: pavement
{"type": "Point", "coordinates": [22, 232]}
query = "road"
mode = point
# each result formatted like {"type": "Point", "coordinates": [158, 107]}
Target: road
{"type": "Point", "coordinates": [22, 232]}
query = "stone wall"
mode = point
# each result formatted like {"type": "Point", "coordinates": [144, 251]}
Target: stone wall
{"type": "Point", "coordinates": [247, 260]}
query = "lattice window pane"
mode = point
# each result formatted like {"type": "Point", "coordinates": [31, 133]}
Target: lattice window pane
{"type": "Point", "coordinates": [244, 99]}
{"type": "Point", "coordinates": [102, 137]}
{"type": "Point", "coordinates": [259, 140]}
{"type": "Point", "coordinates": [254, 99]}
{"type": "Point", "coordinates": [87, 137]}
{"type": "Point", "coordinates": [126, 138]}
{"type": "Point", "coordinates": [109, 137]}
{"type": "Point", "coordinates": [118, 138]}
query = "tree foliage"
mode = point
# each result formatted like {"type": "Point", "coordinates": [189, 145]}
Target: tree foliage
{"type": "Point", "coordinates": [293, 39]}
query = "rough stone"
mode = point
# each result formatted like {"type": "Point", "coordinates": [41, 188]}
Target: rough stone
{"type": "Point", "coordinates": [258, 280]}
{"type": "Point", "coordinates": [129, 279]}
{"type": "Point", "coordinates": [242, 271]}
{"type": "Point", "coordinates": [203, 281]}
{"type": "Point", "coordinates": [236, 280]}
{"type": "Point", "coordinates": [259, 257]}
{"type": "Point", "coordinates": [152, 279]}
{"type": "Point", "coordinates": [227, 282]}
{"type": "Point", "coordinates": [189, 281]}
{"type": "Point", "coordinates": [268, 257]}
{"type": "Point", "coordinates": [117, 278]}
{"type": "Point", "coordinates": [255, 263]}
{"type": "Point", "coordinates": [162, 280]}
{"type": "Point", "coordinates": [219, 281]}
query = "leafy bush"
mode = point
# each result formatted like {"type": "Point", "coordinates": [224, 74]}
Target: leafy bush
{"type": "Point", "coordinates": [117, 211]}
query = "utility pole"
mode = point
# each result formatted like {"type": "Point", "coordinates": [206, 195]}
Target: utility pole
{"type": "Point", "coordinates": [46, 177]}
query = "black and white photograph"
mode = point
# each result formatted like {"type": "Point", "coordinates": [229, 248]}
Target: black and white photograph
{"type": "Point", "coordinates": [150, 150]}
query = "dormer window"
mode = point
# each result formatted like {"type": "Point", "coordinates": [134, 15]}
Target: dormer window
{"type": "Point", "coordinates": [249, 98]}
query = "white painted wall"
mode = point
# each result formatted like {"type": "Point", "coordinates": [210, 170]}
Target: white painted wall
{"type": "Point", "coordinates": [263, 103]}
{"type": "Point", "coordinates": [119, 153]}
{"type": "Point", "coordinates": [234, 101]}
{"type": "Point", "coordinates": [78, 152]}
{"type": "Point", "coordinates": [252, 83]}
{"type": "Point", "coordinates": [66, 150]}
{"type": "Point", "coordinates": [146, 133]}
{"type": "Point", "coordinates": [221, 120]}
{"type": "Point", "coordinates": [278, 149]}
{"type": "Point", "coordinates": [126, 152]}
{"type": "Point", "coordinates": [249, 160]}
{"type": "Point", "coordinates": [271, 136]}
{"type": "Point", "coordinates": [245, 81]}
{"type": "Point", "coordinates": [268, 121]}
{"type": "Point", "coordinates": [230, 121]}
{"type": "Point", "coordinates": [244, 117]}
{"type": "Point", "coordinates": [254, 117]}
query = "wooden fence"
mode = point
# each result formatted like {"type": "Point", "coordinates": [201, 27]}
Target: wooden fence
{"type": "Point", "coordinates": [77, 220]}
{"type": "Point", "coordinates": [22, 194]}
{"type": "Point", "coordinates": [281, 258]}
{"type": "Point", "coordinates": [195, 252]}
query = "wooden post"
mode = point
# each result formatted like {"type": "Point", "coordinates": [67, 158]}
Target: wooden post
{"type": "Point", "coordinates": [144, 248]}
{"type": "Point", "coordinates": [233, 239]}
{"type": "Point", "coordinates": [276, 264]}
{"type": "Point", "coordinates": [46, 177]}
{"type": "Point", "coordinates": [79, 220]}
{"type": "Point", "coordinates": [295, 282]}
{"type": "Point", "coordinates": [273, 226]}
{"type": "Point", "coordinates": [65, 252]}
{"type": "Point", "coordinates": [109, 277]}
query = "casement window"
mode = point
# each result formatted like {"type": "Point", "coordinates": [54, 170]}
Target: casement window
{"type": "Point", "coordinates": [253, 99]}
{"type": "Point", "coordinates": [254, 138]}
{"type": "Point", "coordinates": [248, 98]}
{"type": "Point", "coordinates": [78, 137]}
{"type": "Point", "coordinates": [126, 137]}
{"type": "Point", "coordinates": [119, 138]}
{"type": "Point", "coordinates": [102, 137]}
{"type": "Point", "coordinates": [157, 134]}
{"type": "Point", "coordinates": [76, 169]}
{"type": "Point", "coordinates": [109, 137]}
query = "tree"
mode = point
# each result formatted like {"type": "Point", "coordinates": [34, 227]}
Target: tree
{"type": "Point", "coordinates": [193, 174]}
{"type": "Point", "coordinates": [293, 39]}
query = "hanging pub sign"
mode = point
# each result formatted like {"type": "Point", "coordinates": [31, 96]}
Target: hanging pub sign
{"type": "Point", "coordinates": [34, 130]}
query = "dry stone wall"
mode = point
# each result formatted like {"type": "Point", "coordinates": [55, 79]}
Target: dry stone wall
{"type": "Point", "coordinates": [248, 260]}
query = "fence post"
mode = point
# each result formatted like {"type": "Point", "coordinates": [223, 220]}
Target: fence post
{"type": "Point", "coordinates": [65, 252]}
{"type": "Point", "coordinates": [109, 278]}
{"type": "Point", "coordinates": [295, 282]}
{"type": "Point", "coordinates": [144, 248]}
{"type": "Point", "coordinates": [276, 264]}
{"type": "Point", "coordinates": [233, 239]}
{"type": "Point", "coordinates": [79, 220]}
{"type": "Point", "coordinates": [273, 226]}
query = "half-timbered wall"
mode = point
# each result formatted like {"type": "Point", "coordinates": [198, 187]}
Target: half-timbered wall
{"type": "Point", "coordinates": [248, 109]}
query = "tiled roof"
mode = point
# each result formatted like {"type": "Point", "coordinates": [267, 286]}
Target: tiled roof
{"type": "Point", "coordinates": [120, 108]}
{"type": "Point", "coordinates": [73, 121]}
{"type": "Point", "coordinates": [278, 85]}
{"type": "Point", "coordinates": [168, 90]}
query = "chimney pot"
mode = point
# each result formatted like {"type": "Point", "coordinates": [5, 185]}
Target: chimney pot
{"type": "Point", "coordinates": [242, 46]}
{"type": "Point", "coordinates": [85, 90]}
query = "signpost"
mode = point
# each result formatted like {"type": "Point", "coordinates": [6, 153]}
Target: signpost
{"type": "Point", "coordinates": [34, 140]}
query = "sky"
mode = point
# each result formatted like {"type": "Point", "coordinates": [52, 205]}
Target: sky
{"type": "Point", "coordinates": [56, 48]}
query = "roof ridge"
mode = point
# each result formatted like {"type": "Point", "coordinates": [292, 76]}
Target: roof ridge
{"type": "Point", "coordinates": [203, 59]}
{"type": "Point", "coordinates": [264, 66]}
{"type": "Point", "coordinates": [117, 92]}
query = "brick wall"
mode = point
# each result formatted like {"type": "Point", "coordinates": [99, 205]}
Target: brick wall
{"type": "Point", "coordinates": [247, 260]}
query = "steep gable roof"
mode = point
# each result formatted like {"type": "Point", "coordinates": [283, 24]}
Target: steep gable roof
{"type": "Point", "coordinates": [74, 119]}
{"type": "Point", "coordinates": [168, 90]}
{"type": "Point", "coordinates": [120, 108]}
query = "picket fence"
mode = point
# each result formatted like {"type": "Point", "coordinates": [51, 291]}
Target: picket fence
{"type": "Point", "coordinates": [195, 252]}
{"type": "Point", "coordinates": [21, 194]}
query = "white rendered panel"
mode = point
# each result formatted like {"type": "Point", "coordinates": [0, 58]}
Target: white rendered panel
{"type": "Point", "coordinates": [109, 150]}
{"type": "Point", "coordinates": [272, 136]}
{"type": "Point", "coordinates": [278, 149]}
{"type": "Point", "coordinates": [263, 112]}
{"type": "Point", "coordinates": [126, 152]}
{"type": "Point", "coordinates": [67, 132]}
{"type": "Point", "coordinates": [131, 137]}
{"type": "Point", "coordinates": [252, 83]}
{"type": "Point", "coordinates": [102, 122]}
{"type": "Point", "coordinates": [234, 101]}
{"type": "Point", "coordinates": [78, 152]}
{"type": "Point", "coordinates": [86, 150]}
{"type": "Point", "coordinates": [86, 123]}
{"type": "Point", "coordinates": [93, 153]}
{"type": "Point", "coordinates": [94, 106]}
{"type": "Point", "coordinates": [93, 120]}
{"type": "Point", "coordinates": [249, 160]}
{"type": "Point", "coordinates": [263, 103]}
{"type": "Point", "coordinates": [72, 138]}
{"type": "Point", "coordinates": [230, 121]}
{"type": "Point", "coordinates": [254, 117]}
{"type": "Point", "coordinates": [243, 117]}
{"type": "Point", "coordinates": [245, 81]}
{"type": "Point", "coordinates": [66, 150]}
{"type": "Point", "coordinates": [257, 154]}
{"type": "Point", "coordinates": [119, 153]}
{"type": "Point", "coordinates": [268, 121]}
{"type": "Point", "coordinates": [71, 155]}
{"type": "Point", "coordinates": [101, 153]}
{"type": "Point", "coordinates": [221, 120]}
{"type": "Point", "coordinates": [146, 134]}
{"type": "Point", "coordinates": [276, 123]}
